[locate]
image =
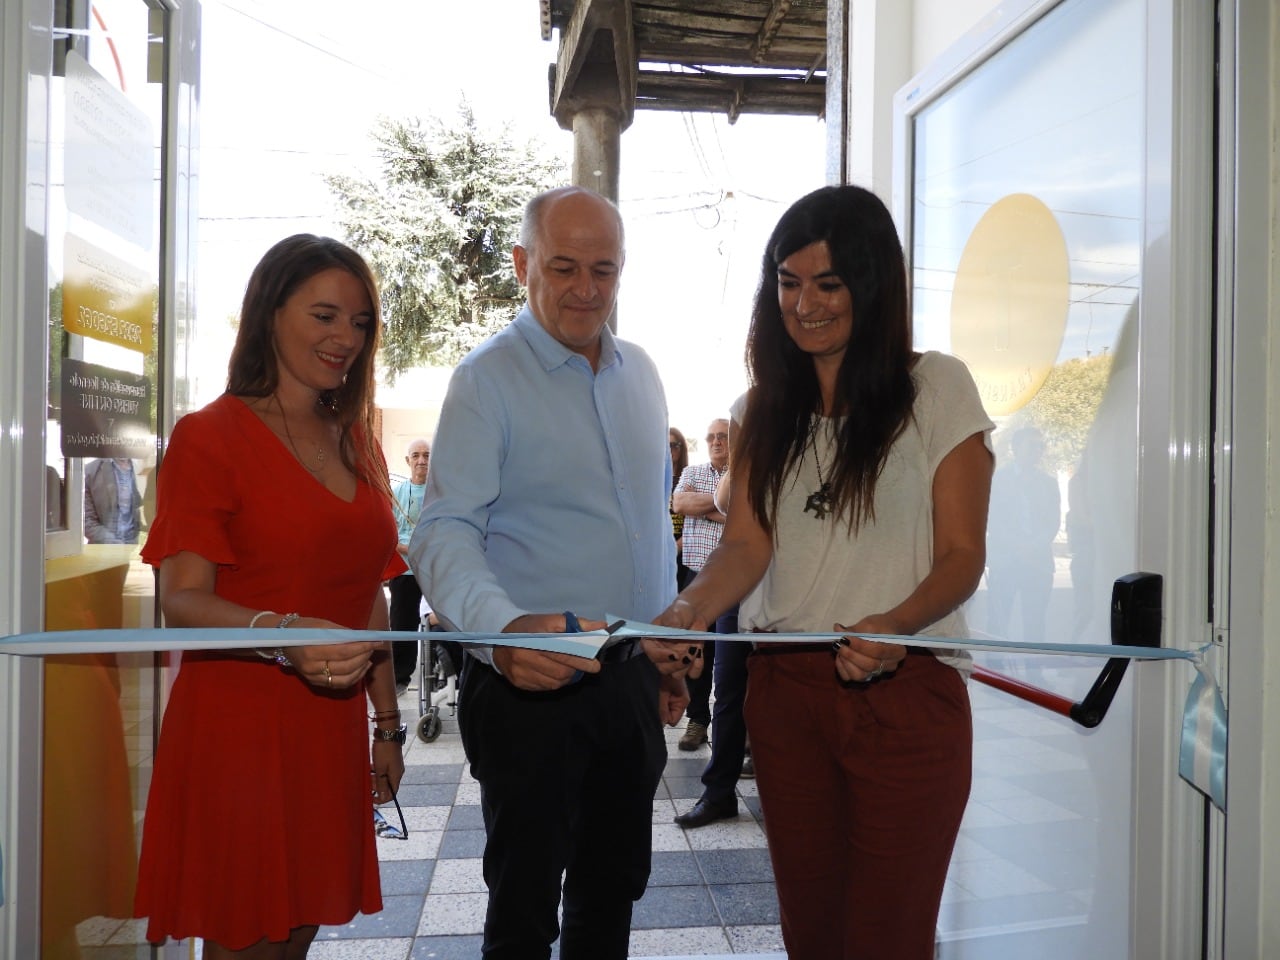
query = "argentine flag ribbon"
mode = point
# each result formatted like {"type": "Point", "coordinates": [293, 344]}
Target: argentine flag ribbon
{"type": "Point", "coordinates": [1202, 757]}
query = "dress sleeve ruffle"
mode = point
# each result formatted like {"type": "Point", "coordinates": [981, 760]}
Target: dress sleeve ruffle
{"type": "Point", "coordinates": [196, 493]}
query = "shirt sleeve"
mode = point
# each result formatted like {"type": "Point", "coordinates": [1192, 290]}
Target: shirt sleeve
{"type": "Point", "coordinates": [685, 484]}
{"type": "Point", "coordinates": [447, 549]}
{"type": "Point", "coordinates": [955, 408]}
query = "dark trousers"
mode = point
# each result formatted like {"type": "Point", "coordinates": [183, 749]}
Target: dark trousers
{"type": "Point", "coordinates": [863, 787]}
{"type": "Point", "coordinates": [406, 614]}
{"type": "Point", "coordinates": [699, 708]}
{"type": "Point", "coordinates": [567, 780]}
{"type": "Point", "coordinates": [728, 727]}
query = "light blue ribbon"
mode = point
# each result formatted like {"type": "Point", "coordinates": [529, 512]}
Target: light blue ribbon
{"type": "Point", "coordinates": [1202, 758]}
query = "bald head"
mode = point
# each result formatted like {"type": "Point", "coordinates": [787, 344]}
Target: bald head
{"type": "Point", "coordinates": [418, 457]}
{"type": "Point", "coordinates": [569, 260]}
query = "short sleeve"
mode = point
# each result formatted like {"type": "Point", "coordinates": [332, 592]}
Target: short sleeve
{"type": "Point", "coordinates": [196, 493]}
{"type": "Point", "coordinates": [954, 407]}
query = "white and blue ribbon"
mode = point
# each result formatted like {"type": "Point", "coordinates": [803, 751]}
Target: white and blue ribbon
{"type": "Point", "coordinates": [1202, 757]}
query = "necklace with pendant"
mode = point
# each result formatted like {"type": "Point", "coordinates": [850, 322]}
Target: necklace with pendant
{"type": "Point", "coordinates": [821, 500]}
{"type": "Point", "coordinates": [317, 464]}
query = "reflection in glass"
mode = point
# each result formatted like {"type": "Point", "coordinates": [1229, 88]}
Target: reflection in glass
{"type": "Point", "coordinates": [1026, 226]}
{"type": "Point", "coordinates": [100, 711]}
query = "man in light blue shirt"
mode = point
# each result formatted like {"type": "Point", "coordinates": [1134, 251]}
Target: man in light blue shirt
{"type": "Point", "coordinates": [548, 494]}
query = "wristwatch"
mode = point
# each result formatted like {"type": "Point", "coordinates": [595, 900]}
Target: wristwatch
{"type": "Point", "coordinates": [398, 735]}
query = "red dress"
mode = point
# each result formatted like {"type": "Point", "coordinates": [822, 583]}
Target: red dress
{"type": "Point", "coordinates": [259, 817]}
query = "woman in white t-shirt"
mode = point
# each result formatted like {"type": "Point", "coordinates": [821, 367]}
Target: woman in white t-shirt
{"type": "Point", "coordinates": [862, 476]}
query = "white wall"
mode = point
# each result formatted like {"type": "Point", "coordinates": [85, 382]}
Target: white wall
{"type": "Point", "coordinates": [937, 24]}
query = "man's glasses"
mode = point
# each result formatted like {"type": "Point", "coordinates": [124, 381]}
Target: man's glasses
{"type": "Point", "coordinates": [713, 437]}
{"type": "Point", "coordinates": [384, 829]}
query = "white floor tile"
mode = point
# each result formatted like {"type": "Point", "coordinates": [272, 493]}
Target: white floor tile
{"type": "Point", "coordinates": [757, 938]}
{"type": "Point", "coordinates": [458, 876]}
{"type": "Point", "coordinates": [679, 941]}
{"type": "Point", "coordinates": [421, 845]}
{"type": "Point", "coordinates": [385, 949]}
{"type": "Point", "coordinates": [453, 914]}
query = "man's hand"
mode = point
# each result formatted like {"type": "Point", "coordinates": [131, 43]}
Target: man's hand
{"type": "Point", "coordinates": [535, 670]}
{"type": "Point", "coordinates": [673, 700]}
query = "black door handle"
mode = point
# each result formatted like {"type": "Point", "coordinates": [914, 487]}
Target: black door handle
{"type": "Point", "coordinates": [1137, 615]}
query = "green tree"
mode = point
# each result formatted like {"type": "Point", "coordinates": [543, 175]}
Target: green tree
{"type": "Point", "coordinates": [438, 230]}
{"type": "Point", "coordinates": [1065, 407]}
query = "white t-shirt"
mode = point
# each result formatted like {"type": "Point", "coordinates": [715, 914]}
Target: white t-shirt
{"type": "Point", "coordinates": [819, 575]}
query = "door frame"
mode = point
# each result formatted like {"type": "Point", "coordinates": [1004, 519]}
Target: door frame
{"type": "Point", "coordinates": [1249, 258]}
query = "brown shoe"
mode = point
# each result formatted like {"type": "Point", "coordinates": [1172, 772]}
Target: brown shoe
{"type": "Point", "coordinates": [695, 735]}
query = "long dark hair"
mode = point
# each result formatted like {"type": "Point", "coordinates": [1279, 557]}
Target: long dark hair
{"type": "Point", "coordinates": [681, 459]}
{"type": "Point", "coordinates": [253, 371]}
{"type": "Point", "coordinates": [874, 390]}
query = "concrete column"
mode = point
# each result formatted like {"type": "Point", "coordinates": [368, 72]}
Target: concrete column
{"type": "Point", "coordinates": [597, 140]}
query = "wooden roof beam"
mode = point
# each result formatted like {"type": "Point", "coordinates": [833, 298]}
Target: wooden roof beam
{"type": "Point", "coordinates": [596, 65]}
{"type": "Point", "coordinates": [769, 29]}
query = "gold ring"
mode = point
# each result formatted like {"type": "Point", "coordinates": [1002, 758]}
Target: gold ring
{"type": "Point", "coordinates": [328, 677]}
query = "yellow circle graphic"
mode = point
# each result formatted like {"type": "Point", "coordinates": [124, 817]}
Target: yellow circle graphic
{"type": "Point", "coordinates": [1009, 304]}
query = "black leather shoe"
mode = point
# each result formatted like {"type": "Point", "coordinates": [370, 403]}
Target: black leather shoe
{"type": "Point", "coordinates": [708, 811]}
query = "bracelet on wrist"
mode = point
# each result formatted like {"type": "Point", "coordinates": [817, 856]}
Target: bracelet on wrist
{"type": "Point", "coordinates": [397, 735]}
{"type": "Point", "coordinates": [277, 655]}
{"type": "Point", "coordinates": [253, 621]}
{"type": "Point", "coordinates": [287, 619]}
{"type": "Point", "coordinates": [384, 715]}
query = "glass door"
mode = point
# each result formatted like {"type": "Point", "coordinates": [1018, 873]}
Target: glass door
{"type": "Point", "coordinates": [1027, 209]}
{"type": "Point", "coordinates": [107, 126]}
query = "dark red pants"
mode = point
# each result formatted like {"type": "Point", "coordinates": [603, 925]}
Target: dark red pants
{"type": "Point", "coordinates": [863, 788]}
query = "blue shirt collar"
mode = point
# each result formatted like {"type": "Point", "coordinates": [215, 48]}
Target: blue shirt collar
{"type": "Point", "coordinates": [551, 353]}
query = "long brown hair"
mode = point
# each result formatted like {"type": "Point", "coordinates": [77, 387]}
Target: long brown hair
{"type": "Point", "coordinates": [874, 390]}
{"type": "Point", "coordinates": [253, 370]}
{"type": "Point", "coordinates": [681, 459]}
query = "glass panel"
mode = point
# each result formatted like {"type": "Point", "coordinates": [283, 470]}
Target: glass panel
{"type": "Point", "coordinates": [1026, 209]}
{"type": "Point", "coordinates": [104, 230]}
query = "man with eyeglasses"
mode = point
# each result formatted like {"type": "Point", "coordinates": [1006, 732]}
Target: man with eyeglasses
{"type": "Point", "coordinates": [703, 525]}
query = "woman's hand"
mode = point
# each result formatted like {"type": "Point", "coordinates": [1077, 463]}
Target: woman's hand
{"type": "Point", "coordinates": [387, 769]}
{"type": "Point", "coordinates": [335, 666]}
{"type": "Point", "coordinates": [859, 660]}
{"type": "Point", "coordinates": [674, 657]}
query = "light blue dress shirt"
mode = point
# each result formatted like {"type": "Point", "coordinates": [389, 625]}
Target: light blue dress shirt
{"type": "Point", "coordinates": [548, 486]}
{"type": "Point", "coordinates": [408, 497]}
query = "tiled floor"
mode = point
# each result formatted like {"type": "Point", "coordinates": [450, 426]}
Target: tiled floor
{"type": "Point", "coordinates": [710, 893]}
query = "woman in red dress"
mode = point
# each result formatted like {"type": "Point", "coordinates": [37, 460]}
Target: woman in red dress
{"type": "Point", "coordinates": [274, 511]}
